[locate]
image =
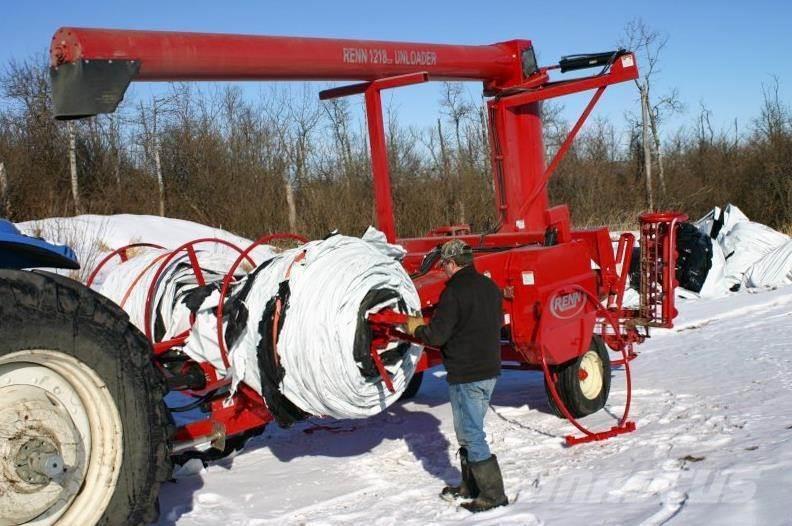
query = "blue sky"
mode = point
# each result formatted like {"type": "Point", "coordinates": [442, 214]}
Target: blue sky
{"type": "Point", "coordinates": [718, 53]}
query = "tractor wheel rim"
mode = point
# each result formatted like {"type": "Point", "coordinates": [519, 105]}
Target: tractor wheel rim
{"type": "Point", "coordinates": [61, 460]}
{"type": "Point", "coordinates": [591, 384]}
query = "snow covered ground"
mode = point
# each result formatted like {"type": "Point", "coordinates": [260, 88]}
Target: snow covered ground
{"type": "Point", "coordinates": [712, 402]}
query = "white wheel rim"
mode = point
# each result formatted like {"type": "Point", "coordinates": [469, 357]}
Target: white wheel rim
{"type": "Point", "coordinates": [591, 385]}
{"type": "Point", "coordinates": [52, 398]}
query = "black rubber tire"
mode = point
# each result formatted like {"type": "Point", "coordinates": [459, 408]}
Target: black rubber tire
{"type": "Point", "coordinates": [40, 310]}
{"type": "Point", "coordinates": [568, 384]}
{"type": "Point", "coordinates": [413, 386]}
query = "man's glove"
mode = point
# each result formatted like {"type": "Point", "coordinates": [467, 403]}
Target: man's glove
{"type": "Point", "coordinates": [413, 322]}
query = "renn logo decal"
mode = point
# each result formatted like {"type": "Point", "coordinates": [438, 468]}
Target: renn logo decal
{"type": "Point", "coordinates": [568, 305]}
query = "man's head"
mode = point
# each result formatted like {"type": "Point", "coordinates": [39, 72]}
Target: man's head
{"type": "Point", "coordinates": [454, 255]}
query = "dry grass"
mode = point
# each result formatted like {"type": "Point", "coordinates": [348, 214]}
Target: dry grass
{"type": "Point", "coordinates": [87, 241]}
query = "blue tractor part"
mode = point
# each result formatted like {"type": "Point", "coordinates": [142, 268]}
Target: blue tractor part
{"type": "Point", "coordinates": [18, 251]}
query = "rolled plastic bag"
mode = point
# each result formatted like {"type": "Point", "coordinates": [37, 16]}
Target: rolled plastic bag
{"type": "Point", "coordinates": [295, 327]}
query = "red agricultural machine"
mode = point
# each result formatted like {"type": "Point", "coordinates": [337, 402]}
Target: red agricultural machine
{"type": "Point", "coordinates": [563, 288]}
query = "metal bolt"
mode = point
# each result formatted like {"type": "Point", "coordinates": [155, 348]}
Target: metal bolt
{"type": "Point", "coordinates": [38, 462]}
{"type": "Point", "coordinates": [49, 465]}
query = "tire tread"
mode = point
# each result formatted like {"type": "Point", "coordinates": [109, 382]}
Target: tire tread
{"type": "Point", "coordinates": [51, 300]}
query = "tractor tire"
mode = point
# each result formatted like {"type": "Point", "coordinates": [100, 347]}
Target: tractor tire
{"type": "Point", "coordinates": [583, 384]}
{"type": "Point", "coordinates": [413, 386]}
{"type": "Point", "coordinates": [84, 431]}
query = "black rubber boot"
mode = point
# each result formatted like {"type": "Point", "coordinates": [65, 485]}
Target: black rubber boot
{"type": "Point", "coordinates": [467, 489]}
{"type": "Point", "coordinates": [488, 477]}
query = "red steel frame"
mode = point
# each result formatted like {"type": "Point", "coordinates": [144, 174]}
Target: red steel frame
{"type": "Point", "coordinates": [122, 253]}
{"type": "Point", "coordinates": [534, 255]}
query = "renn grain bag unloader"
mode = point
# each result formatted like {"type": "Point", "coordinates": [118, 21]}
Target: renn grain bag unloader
{"type": "Point", "coordinates": [563, 288]}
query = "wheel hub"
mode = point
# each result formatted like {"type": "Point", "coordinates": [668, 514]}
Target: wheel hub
{"type": "Point", "coordinates": [590, 375]}
{"type": "Point", "coordinates": [42, 463]}
{"type": "Point", "coordinates": [39, 461]}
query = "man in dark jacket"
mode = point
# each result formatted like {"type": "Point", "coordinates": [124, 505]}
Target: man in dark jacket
{"type": "Point", "coordinates": [466, 326]}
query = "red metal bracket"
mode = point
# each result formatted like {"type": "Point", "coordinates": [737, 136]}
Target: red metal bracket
{"type": "Point", "coordinates": [386, 326]}
{"type": "Point", "coordinates": [624, 425]}
{"type": "Point", "coordinates": [243, 412]}
{"type": "Point", "coordinates": [628, 427]}
{"type": "Point", "coordinates": [387, 323]}
{"type": "Point", "coordinates": [542, 184]}
{"type": "Point", "coordinates": [658, 267]}
{"type": "Point", "coordinates": [624, 257]}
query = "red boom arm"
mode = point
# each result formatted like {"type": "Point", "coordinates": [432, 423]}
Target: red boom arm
{"type": "Point", "coordinates": [210, 56]}
{"type": "Point", "coordinates": [163, 55]}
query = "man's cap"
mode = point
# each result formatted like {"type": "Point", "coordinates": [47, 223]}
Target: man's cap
{"type": "Point", "coordinates": [454, 248]}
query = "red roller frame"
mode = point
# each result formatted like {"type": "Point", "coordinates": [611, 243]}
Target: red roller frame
{"type": "Point", "coordinates": [229, 277]}
{"type": "Point", "coordinates": [658, 267]}
{"type": "Point", "coordinates": [189, 247]}
{"type": "Point", "coordinates": [121, 253]}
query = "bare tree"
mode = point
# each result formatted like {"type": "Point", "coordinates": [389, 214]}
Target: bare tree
{"type": "Point", "coordinates": [648, 44]}
{"type": "Point", "coordinates": [306, 115]}
{"type": "Point", "coordinates": [294, 120]}
{"type": "Point", "coordinates": [647, 153]}
{"type": "Point", "coordinates": [148, 118]}
{"type": "Point", "coordinates": [456, 106]}
{"type": "Point", "coordinates": [114, 137]}
{"type": "Point", "coordinates": [705, 133]}
{"type": "Point", "coordinates": [554, 127]}
{"type": "Point", "coordinates": [337, 111]}
{"type": "Point", "coordinates": [774, 120]}
{"type": "Point", "coordinates": [445, 165]}
{"type": "Point", "coordinates": [75, 183]}
{"type": "Point", "coordinates": [5, 208]}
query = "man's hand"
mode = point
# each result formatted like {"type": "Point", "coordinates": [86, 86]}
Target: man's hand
{"type": "Point", "coordinates": [413, 322]}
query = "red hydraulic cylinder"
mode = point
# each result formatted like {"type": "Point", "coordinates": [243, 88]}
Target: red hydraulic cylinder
{"type": "Point", "coordinates": [175, 56]}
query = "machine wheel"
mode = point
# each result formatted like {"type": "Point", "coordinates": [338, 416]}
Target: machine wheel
{"type": "Point", "coordinates": [84, 431]}
{"type": "Point", "coordinates": [413, 386]}
{"type": "Point", "coordinates": [583, 383]}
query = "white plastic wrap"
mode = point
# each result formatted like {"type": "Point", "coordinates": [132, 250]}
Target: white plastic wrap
{"type": "Point", "coordinates": [328, 280]}
{"type": "Point", "coordinates": [774, 269]}
{"type": "Point", "coordinates": [128, 285]}
{"type": "Point", "coordinates": [715, 284]}
{"type": "Point", "coordinates": [745, 244]}
{"type": "Point", "coordinates": [731, 216]}
{"type": "Point", "coordinates": [317, 339]}
{"type": "Point", "coordinates": [744, 253]}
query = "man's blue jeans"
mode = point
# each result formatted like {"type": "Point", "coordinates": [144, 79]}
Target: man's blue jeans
{"type": "Point", "coordinates": [469, 403]}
